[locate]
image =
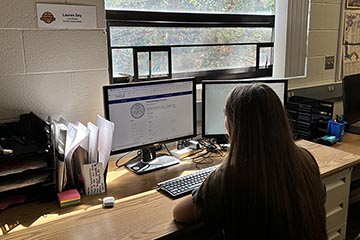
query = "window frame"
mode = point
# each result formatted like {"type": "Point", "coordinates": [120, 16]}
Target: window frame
{"type": "Point", "coordinates": [122, 18]}
{"type": "Point", "coordinates": [150, 50]}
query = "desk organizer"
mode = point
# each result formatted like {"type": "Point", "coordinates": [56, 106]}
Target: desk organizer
{"type": "Point", "coordinates": [28, 173]}
{"type": "Point", "coordinates": [336, 129]}
{"type": "Point", "coordinates": [309, 117]}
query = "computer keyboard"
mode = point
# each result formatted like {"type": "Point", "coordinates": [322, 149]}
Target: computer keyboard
{"type": "Point", "coordinates": [184, 184]}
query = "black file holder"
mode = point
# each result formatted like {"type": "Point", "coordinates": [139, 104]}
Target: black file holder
{"type": "Point", "coordinates": [28, 173]}
{"type": "Point", "coordinates": [309, 117]}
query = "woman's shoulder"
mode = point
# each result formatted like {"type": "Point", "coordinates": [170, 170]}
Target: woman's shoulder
{"type": "Point", "coordinates": [308, 157]}
{"type": "Point", "coordinates": [306, 152]}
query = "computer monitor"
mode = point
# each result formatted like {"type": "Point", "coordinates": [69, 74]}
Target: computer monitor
{"type": "Point", "coordinates": [351, 102]}
{"type": "Point", "coordinates": [149, 113]}
{"type": "Point", "coordinates": [214, 95]}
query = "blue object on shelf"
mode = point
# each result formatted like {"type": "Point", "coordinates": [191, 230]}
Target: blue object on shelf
{"type": "Point", "coordinates": [336, 129]}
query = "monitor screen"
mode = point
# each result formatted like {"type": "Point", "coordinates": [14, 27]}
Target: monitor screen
{"type": "Point", "coordinates": [214, 94]}
{"type": "Point", "coordinates": [351, 102]}
{"type": "Point", "coordinates": [149, 113]}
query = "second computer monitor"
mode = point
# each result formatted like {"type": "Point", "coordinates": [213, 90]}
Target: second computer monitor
{"type": "Point", "coordinates": [214, 94]}
{"type": "Point", "coordinates": [351, 102]}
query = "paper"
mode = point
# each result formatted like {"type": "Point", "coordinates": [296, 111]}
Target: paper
{"type": "Point", "coordinates": [79, 159]}
{"type": "Point", "coordinates": [76, 136]}
{"type": "Point", "coordinates": [69, 150]}
{"type": "Point", "coordinates": [60, 132]}
{"type": "Point", "coordinates": [352, 27]}
{"type": "Point", "coordinates": [66, 16]}
{"type": "Point", "coordinates": [26, 179]}
{"type": "Point", "coordinates": [83, 134]}
{"type": "Point", "coordinates": [93, 178]}
{"type": "Point", "coordinates": [82, 154]}
{"type": "Point", "coordinates": [14, 167]}
{"type": "Point", "coordinates": [93, 142]}
{"type": "Point", "coordinates": [106, 130]}
{"type": "Point", "coordinates": [351, 59]}
{"type": "Point", "coordinates": [69, 198]}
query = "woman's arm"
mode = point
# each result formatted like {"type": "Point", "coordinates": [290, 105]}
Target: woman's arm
{"type": "Point", "coordinates": [184, 211]}
{"type": "Point", "coordinates": [187, 209]}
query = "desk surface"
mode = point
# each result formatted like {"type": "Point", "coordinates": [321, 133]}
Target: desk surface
{"type": "Point", "coordinates": [350, 143]}
{"type": "Point", "coordinates": [332, 159]}
{"type": "Point", "coordinates": [146, 215]}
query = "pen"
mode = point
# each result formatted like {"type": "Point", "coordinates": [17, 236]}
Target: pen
{"type": "Point", "coordinates": [339, 118]}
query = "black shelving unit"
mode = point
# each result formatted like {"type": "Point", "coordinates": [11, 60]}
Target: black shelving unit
{"type": "Point", "coordinates": [309, 117]}
{"type": "Point", "coordinates": [29, 172]}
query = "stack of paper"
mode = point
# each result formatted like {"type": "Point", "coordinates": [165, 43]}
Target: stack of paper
{"type": "Point", "coordinates": [68, 198]}
{"type": "Point", "coordinates": [82, 154]}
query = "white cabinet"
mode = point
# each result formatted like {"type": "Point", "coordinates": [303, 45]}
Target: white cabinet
{"type": "Point", "coordinates": [337, 202]}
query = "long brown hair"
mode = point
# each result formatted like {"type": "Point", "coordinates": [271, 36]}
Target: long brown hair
{"type": "Point", "coordinates": [272, 188]}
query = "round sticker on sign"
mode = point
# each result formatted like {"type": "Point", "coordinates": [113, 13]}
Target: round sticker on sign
{"type": "Point", "coordinates": [47, 17]}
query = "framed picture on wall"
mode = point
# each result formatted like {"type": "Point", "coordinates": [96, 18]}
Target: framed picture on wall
{"type": "Point", "coordinates": [353, 4]}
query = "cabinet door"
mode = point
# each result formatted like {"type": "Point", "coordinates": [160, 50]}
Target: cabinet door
{"type": "Point", "coordinates": [337, 202]}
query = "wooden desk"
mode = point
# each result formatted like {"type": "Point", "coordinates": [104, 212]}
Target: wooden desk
{"type": "Point", "coordinates": [146, 215]}
{"type": "Point", "coordinates": [330, 159]}
{"type": "Point", "coordinates": [350, 143]}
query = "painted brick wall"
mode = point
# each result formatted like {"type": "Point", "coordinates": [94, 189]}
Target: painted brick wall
{"type": "Point", "coordinates": [57, 73]}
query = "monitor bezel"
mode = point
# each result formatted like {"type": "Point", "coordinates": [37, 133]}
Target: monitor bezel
{"type": "Point", "coordinates": [143, 83]}
{"type": "Point", "coordinates": [240, 81]}
{"type": "Point", "coordinates": [347, 81]}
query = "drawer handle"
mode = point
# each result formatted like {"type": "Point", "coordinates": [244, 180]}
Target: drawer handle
{"type": "Point", "coordinates": [335, 210]}
{"type": "Point", "coordinates": [334, 235]}
{"type": "Point", "coordinates": [336, 184]}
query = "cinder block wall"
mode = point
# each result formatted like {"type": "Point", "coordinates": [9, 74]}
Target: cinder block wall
{"type": "Point", "coordinates": [57, 73]}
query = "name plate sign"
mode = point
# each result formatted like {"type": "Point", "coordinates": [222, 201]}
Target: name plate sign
{"type": "Point", "coordinates": [63, 16]}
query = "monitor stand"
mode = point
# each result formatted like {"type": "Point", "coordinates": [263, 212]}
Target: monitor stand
{"type": "Point", "coordinates": [149, 161]}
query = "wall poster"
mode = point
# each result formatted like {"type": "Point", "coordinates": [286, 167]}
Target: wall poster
{"type": "Point", "coordinates": [353, 4]}
{"type": "Point", "coordinates": [351, 59]}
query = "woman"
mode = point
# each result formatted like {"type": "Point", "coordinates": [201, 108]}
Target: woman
{"type": "Point", "coordinates": [267, 187]}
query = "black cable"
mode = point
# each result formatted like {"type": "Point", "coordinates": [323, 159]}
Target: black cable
{"type": "Point", "coordinates": [121, 157]}
{"type": "Point", "coordinates": [167, 149]}
{"type": "Point", "coordinates": [192, 154]}
{"type": "Point", "coordinates": [202, 159]}
{"type": "Point", "coordinates": [207, 157]}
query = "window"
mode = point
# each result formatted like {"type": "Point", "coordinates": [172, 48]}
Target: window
{"type": "Point", "coordinates": [204, 6]}
{"type": "Point", "coordinates": [198, 38]}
